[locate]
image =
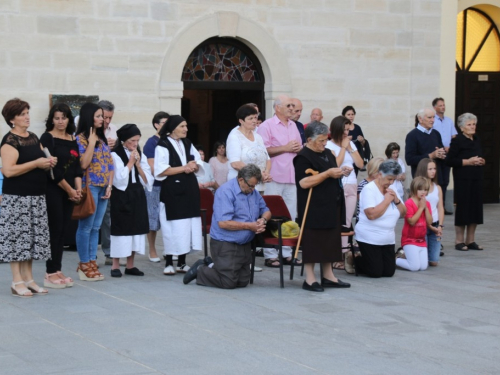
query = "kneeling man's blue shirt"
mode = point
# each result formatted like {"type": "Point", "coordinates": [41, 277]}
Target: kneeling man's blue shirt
{"type": "Point", "coordinates": [231, 203]}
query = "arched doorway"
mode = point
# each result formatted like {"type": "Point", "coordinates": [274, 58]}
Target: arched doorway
{"type": "Point", "coordinates": [220, 75]}
{"type": "Point", "coordinates": [478, 88]}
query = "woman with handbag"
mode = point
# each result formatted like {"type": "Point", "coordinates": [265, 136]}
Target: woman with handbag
{"type": "Point", "coordinates": [176, 161]}
{"type": "Point", "coordinates": [63, 191]}
{"type": "Point", "coordinates": [129, 207]}
{"type": "Point", "coordinates": [24, 230]}
{"type": "Point", "coordinates": [98, 180]}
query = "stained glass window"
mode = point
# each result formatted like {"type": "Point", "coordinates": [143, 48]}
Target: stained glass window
{"type": "Point", "coordinates": [481, 50]}
{"type": "Point", "coordinates": [220, 62]}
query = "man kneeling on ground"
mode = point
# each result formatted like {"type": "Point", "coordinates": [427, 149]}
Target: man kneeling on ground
{"type": "Point", "coordinates": [239, 213]}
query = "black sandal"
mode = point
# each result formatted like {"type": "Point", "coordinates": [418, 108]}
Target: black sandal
{"type": "Point", "coordinates": [296, 263]}
{"type": "Point", "coordinates": [474, 246]}
{"type": "Point", "coordinates": [461, 247]}
{"type": "Point", "coordinates": [269, 263]}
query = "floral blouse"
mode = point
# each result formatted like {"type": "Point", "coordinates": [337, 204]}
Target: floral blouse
{"type": "Point", "coordinates": [101, 164]}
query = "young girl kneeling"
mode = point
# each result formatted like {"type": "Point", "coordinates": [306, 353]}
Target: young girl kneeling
{"type": "Point", "coordinates": [418, 217]}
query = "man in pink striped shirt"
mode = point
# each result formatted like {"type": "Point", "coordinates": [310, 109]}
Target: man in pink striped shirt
{"type": "Point", "coordinates": [282, 140]}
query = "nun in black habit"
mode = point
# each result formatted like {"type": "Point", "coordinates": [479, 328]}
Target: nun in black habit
{"type": "Point", "coordinates": [129, 214]}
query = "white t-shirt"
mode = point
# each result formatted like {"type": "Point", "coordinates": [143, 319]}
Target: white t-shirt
{"type": "Point", "coordinates": [378, 231]}
{"type": "Point", "coordinates": [348, 161]}
{"type": "Point", "coordinates": [240, 148]}
{"type": "Point", "coordinates": [433, 199]}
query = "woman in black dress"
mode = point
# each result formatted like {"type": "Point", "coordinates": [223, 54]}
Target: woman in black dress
{"type": "Point", "coordinates": [24, 229]}
{"type": "Point", "coordinates": [356, 135]}
{"type": "Point", "coordinates": [62, 191]}
{"type": "Point", "coordinates": [466, 158]}
{"type": "Point", "coordinates": [326, 214]}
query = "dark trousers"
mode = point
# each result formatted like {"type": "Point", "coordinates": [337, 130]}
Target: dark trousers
{"type": "Point", "coordinates": [231, 267]}
{"type": "Point", "coordinates": [376, 260]}
{"type": "Point", "coordinates": [444, 180]}
{"type": "Point", "coordinates": [59, 210]}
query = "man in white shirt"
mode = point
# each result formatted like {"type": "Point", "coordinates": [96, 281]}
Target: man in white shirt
{"type": "Point", "coordinates": [110, 134]}
{"type": "Point", "coordinates": [444, 125]}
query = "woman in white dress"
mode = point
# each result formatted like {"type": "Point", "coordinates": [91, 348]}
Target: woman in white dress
{"type": "Point", "coordinates": [245, 146]}
{"type": "Point", "coordinates": [129, 209]}
{"type": "Point", "coordinates": [176, 161]}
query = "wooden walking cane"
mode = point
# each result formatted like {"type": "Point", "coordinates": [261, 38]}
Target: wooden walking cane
{"type": "Point", "coordinates": [311, 172]}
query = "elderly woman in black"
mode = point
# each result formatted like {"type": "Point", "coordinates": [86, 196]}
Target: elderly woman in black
{"type": "Point", "coordinates": [466, 158]}
{"type": "Point", "coordinates": [24, 229]}
{"type": "Point", "coordinates": [326, 214]}
{"type": "Point", "coordinates": [62, 191]}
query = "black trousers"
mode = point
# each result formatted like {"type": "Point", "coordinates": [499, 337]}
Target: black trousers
{"type": "Point", "coordinates": [376, 260]}
{"type": "Point", "coordinates": [231, 267]}
{"type": "Point", "coordinates": [59, 209]}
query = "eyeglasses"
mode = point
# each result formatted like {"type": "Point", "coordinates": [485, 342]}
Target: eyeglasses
{"type": "Point", "coordinates": [250, 186]}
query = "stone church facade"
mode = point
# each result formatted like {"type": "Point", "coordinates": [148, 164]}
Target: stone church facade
{"type": "Point", "coordinates": [387, 58]}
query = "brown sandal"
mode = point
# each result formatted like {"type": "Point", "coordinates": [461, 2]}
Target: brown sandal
{"type": "Point", "coordinates": [86, 272]}
{"type": "Point", "coordinates": [96, 269]}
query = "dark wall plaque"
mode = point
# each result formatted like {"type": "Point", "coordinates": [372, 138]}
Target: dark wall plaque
{"type": "Point", "coordinates": [74, 102]}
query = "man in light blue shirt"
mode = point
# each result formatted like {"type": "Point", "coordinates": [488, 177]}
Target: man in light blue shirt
{"type": "Point", "coordinates": [239, 213]}
{"type": "Point", "coordinates": [444, 125]}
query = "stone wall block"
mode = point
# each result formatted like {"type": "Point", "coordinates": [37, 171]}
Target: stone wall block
{"type": "Point", "coordinates": [16, 79]}
{"type": "Point", "coordinates": [371, 6]}
{"type": "Point", "coordinates": [22, 24]}
{"type": "Point", "coordinates": [83, 83]}
{"type": "Point", "coordinates": [66, 60]}
{"type": "Point", "coordinates": [152, 29]}
{"type": "Point", "coordinates": [57, 7]}
{"type": "Point", "coordinates": [91, 26]}
{"type": "Point", "coordinates": [133, 9]}
{"type": "Point", "coordinates": [30, 59]}
{"type": "Point", "coordinates": [400, 6]}
{"type": "Point", "coordinates": [139, 45]}
{"type": "Point", "coordinates": [109, 62]}
{"type": "Point", "coordinates": [133, 82]}
{"type": "Point", "coordinates": [57, 25]}
{"type": "Point", "coordinates": [48, 81]}
{"type": "Point", "coordinates": [372, 38]}
{"type": "Point", "coordinates": [163, 11]}
{"type": "Point", "coordinates": [145, 62]}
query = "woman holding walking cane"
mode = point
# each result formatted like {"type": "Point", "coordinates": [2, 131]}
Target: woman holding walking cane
{"type": "Point", "coordinates": [321, 236]}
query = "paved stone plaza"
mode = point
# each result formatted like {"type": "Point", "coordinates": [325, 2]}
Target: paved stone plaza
{"type": "Point", "coordinates": [441, 321]}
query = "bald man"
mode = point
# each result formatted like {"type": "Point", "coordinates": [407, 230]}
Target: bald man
{"type": "Point", "coordinates": [297, 112]}
{"type": "Point", "coordinates": [316, 115]}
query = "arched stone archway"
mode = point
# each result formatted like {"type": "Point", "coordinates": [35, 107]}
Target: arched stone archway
{"type": "Point", "coordinates": [223, 24]}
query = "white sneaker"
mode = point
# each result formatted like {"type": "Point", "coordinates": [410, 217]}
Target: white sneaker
{"type": "Point", "coordinates": [182, 269]}
{"type": "Point", "coordinates": [155, 260]}
{"type": "Point", "coordinates": [175, 257]}
{"type": "Point", "coordinates": [256, 269]}
{"type": "Point", "coordinates": [169, 271]}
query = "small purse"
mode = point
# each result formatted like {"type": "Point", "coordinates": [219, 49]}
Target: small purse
{"type": "Point", "coordinates": [86, 207]}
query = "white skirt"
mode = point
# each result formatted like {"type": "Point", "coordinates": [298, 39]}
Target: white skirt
{"type": "Point", "coordinates": [180, 236]}
{"type": "Point", "coordinates": [122, 246]}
